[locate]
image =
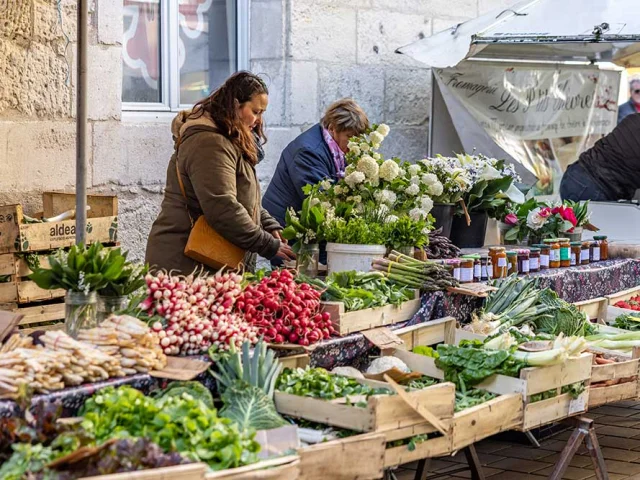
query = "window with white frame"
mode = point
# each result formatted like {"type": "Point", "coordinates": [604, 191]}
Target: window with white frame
{"type": "Point", "coordinates": [175, 52]}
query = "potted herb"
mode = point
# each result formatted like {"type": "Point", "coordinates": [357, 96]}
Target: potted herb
{"type": "Point", "coordinates": [405, 234]}
{"type": "Point", "coordinates": [81, 271]}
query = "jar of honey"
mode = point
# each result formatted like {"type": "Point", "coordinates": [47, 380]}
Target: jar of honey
{"type": "Point", "coordinates": [485, 265]}
{"type": "Point", "coordinates": [466, 269]}
{"type": "Point", "coordinates": [498, 257]}
{"type": "Point", "coordinates": [576, 252]}
{"type": "Point", "coordinates": [534, 259]}
{"type": "Point", "coordinates": [565, 252]}
{"type": "Point", "coordinates": [604, 246]}
{"type": "Point", "coordinates": [512, 260]}
{"type": "Point", "coordinates": [554, 252]}
{"type": "Point", "coordinates": [545, 253]}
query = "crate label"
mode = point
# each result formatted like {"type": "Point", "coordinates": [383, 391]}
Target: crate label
{"type": "Point", "coordinates": [577, 405]}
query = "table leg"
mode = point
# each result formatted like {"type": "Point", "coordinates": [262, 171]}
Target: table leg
{"type": "Point", "coordinates": [423, 467]}
{"type": "Point", "coordinates": [474, 463]}
{"type": "Point", "coordinates": [596, 456]}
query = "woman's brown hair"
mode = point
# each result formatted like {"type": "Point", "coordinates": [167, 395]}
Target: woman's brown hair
{"type": "Point", "coordinates": [222, 106]}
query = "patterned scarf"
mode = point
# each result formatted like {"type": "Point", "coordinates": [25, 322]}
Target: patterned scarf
{"type": "Point", "coordinates": [336, 153]}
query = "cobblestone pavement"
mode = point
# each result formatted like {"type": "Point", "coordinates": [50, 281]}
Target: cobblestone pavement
{"type": "Point", "coordinates": [618, 430]}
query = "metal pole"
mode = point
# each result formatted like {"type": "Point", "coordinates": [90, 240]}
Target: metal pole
{"type": "Point", "coordinates": [81, 123]}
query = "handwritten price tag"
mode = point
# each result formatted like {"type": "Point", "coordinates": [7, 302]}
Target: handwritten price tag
{"type": "Point", "coordinates": [578, 405]}
{"type": "Point", "coordinates": [383, 338]}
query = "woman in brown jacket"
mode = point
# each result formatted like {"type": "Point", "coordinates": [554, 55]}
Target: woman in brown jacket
{"type": "Point", "coordinates": [217, 147]}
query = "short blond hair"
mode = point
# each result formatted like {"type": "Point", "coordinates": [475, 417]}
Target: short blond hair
{"type": "Point", "coordinates": [346, 116]}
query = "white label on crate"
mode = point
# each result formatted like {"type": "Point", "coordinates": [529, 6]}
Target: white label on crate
{"type": "Point", "coordinates": [544, 261]}
{"type": "Point", "coordinates": [525, 266]}
{"type": "Point", "coordinates": [477, 271]}
{"type": "Point", "coordinates": [577, 405]}
{"type": "Point", "coordinates": [584, 255]}
{"type": "Point", "coordinates": [573, 258]}
{"type": "Point", "coordinates": [502, 262]}
{"type": "Point", "coordinates": [596, 254]}
{"type": "Point", "coordinates": [534, 263]}
{"type": "Point", "coordinates": [466, 274]}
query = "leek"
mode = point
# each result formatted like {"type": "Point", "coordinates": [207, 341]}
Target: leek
{"type": "Point", "coordinates": [541, 359]}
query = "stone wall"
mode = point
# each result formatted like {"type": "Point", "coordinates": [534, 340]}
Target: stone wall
{"type": "Point", "coordinates": [312, 52]}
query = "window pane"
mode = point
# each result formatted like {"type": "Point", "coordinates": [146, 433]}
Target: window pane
{"type": "Point", "coordinates": [141, 80]}
{"type": "Point", "coordinates": [207, 46]}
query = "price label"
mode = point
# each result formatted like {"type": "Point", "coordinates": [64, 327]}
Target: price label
{"type": "Point", "coordinates": [578, 405]}
{"type": "Point", "coordinates": [383, 338]}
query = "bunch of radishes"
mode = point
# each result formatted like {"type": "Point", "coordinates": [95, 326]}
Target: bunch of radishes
{"type": "Point", "coordinates": [197, 310]}
{"type": "Point", "coordinates": [284, 311]}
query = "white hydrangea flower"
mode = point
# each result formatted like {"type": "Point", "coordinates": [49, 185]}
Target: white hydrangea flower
{"type": "Point", "coordinates": [389, 170]}
{"type": "Point", "coordinates": [377, 156]}
{"type": "Point", "coordinates": [364, 147]}
{"type": "Point", "coordinates": [414, 169]}
{"type": "Point", "coordinates": [383, 129]}
{"type": "Point", "coordinates": [391, 219]}
{"type": "Point", "coordinates": [426, 204]}
{"type": "Point", "coordinates": [385, 196]}
{"type": "Point", "coordinates": [383, 209]}
{"type": "Point", "coordinates": [355, 150]}
{"type": "Point", "coordinates": [415, 180]}
{"type": "Point", "coordinates": [368, 166]}
{"type": "Point", "coordinates": [429, 178]}
{"type": "Point", "coordinates": [417, 214]}
{"type": "Point", "coordinates": [376, 146]}
{"type": "Point", "coordinates": [325, 184]}
{"type": "Point", "coordinates": [325, 205]}
{"type": "Point", "coordinates": [351, 145]}
{"type": "Point", "coordinates": [376, 138]}
{"type": "Point", "coordinates": [354, 179]}
{"type": "Point", "coordinates": [402, 172]}
{"type": "Point", "coordinates": [412, 190]}
{"type": "Point", "coordinates": [337, 190]}
{"type": "Point", "coordinates": [436, 189]}
{"type": "Point", "coordinates": [357, 199]}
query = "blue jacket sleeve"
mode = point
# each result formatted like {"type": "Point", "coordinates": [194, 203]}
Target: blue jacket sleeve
{"type": "Point", "coordinates": [308, 168]}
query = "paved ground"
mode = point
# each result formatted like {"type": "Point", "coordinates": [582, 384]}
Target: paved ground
{"type": "Point", "coordinates": [618, 429]}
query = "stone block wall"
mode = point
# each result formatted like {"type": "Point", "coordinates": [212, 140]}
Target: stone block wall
{"type": "Point", "coordinates": [312, 52]}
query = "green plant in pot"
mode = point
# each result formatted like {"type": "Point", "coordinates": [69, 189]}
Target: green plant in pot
{"type": "Point", "coordinates": [405, 234]}
{"type": "Point", "coordinates": [115, 296]}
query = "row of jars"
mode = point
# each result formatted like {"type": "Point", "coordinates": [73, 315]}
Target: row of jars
{"type": "Point", "coordinates": [552, 253]}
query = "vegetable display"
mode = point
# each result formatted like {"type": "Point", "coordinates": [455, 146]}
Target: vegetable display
{"type": "Point", "coordinates": [318, 383]}
{"type": "Point", "coordinates": [632, 304]}
{"type": "Point", "coordinates": [197, 312]}
{"type": "Point", "coordinates": [283, 311]}
{"type": "Point", "coordinates": [622, 342]}
{"type": "Point", "coordinates": [627, 322]}
{"type": "Point", "coordinates": [359, 290]}
{"type": "Point", "coordinates": [250, 407]}
{"type": "Point", "coordinates": [176, 423]}
{"type": "Point", "coordinates": [440, 247]}
{"type": "Point", "coordinates": [405, 270]}
{"type": "Point", "coordinates": [472, 398]}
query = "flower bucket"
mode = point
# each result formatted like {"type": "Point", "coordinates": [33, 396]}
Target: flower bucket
{"type": "Point", "coordinates": [342, 257]}
{"type": "Point", "coordinates": [471, 236]}
{"type": "Point", "coordinates": [575, 236]}
{"type": "Point", "coordinates": [444, 214]}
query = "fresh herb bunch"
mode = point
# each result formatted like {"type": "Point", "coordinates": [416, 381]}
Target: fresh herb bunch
{"type": "Point", "coordinates": [359, 290]}
{"type": "Point", "coordinates": [627, 322]}
{"type": "Point", "coordinates": [319, 383]}
{"type": "Point", "coordinates": [176, 423]}
{"type": "Point", "coordinates": [407, 232]}
{"type": "Point", "coordinates": [355, 231]}
{"type": "Point", "coordinates": [305, 227]}
{"type": "Point", "coordinates": [81, 269]}
{"type": "Point", "coordinates": [128, 282]}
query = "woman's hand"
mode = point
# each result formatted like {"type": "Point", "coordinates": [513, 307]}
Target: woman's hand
{"type": "Point", "coordinates": [278, 234]}
{"type": "Point", "coordinates": [285, 252]}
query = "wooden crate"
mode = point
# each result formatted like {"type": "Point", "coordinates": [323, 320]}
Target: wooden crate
{"type": "Point", "coordinates": [349, 322]}
{"type": "Point", "coordinates": [382, 413]}
{"type": "Point", "coordinates": [360, 457]}
{"type": "Point", "coordinates": [624, 367]}
{"type": "Point", "coordinates": [469, 426]}
{"type": "Point", "coordinates": [192, 471]}
{"type": "Point", "coordinates": [282, 468]}
{"type": "Point", "coordinates": [295, 361]}
{"type": "Point", "coordinates": [37, 314]}
{"type": "Point", "coordinates": [441, 330]}
{"type": "Point", "coordinates": [596, 308]}
{"type": "Point", "coordinates": [16, 236]}
{"type": "Point", "coordinates": [532, 380]}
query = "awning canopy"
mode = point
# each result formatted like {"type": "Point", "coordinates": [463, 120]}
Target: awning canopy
{"type": "Point", "coordinates": [540, 30]}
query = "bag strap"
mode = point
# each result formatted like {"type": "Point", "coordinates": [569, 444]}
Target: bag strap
{"type": "Point", "coordinates": [181, 183]}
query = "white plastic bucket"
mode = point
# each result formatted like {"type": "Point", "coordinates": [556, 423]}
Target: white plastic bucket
{"type": "Point", "coordinates": [342, 257]}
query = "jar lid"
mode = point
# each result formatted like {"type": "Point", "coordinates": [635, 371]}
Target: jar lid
{"type": "Point", "coordinates": [540, 245]}
{"type": "Point", "coordinates": [523, 251]}
{"type": "Point", "coordinates": [472, 256]}
{"type": "Point", "coordinates": [576, 244]}
{"type": "Point", "coordinates": [511, 253]}
{"type": "Point", "coordinates": [564, 240]}
{"type": "Point", "coordinates": [535, 249]}
{"type": "Point", "coordinates": [599, 237]}
{"type": "Point", "coordinates": [548, 241]}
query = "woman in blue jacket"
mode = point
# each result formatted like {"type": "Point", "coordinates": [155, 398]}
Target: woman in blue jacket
{"type": "Point", "coordinates": [315, 155]}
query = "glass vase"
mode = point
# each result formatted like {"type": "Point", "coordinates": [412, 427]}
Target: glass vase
{"type": "Point", "coordinates": [307, 259]}
{"type": "Point", "coordinates": [108, 305]}
{"type": "Point", "coordinates": [408, 251]}
{"type": "Point", "coordinates": [80, 312]}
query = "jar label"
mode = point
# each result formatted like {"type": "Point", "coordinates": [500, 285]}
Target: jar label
{"type": "Point", "coordinates": [489, 271]}
{"type": "Point", "coordinates": [524, 268]}
{"type": "Point", "coordinates": [466, 274]}
{"type": "Point", "coordinates": [544, 261]}
{"type": "Point", "coordinates": [534, 264]}
{"type": "Point", "coordinates": [456, 273]}
{"type": "Point", "coordinates": [554, 255]}
{"type": "Point", "coordinates": [502, 262]}
{"type": "Point", "coordinates": [564, 253]}
{"type": "Point", "coordinates": [484, 271]}
{"type": "Point", "coordinates": [573, 259]}
{"type": "Point", "coordinates": [596, 254]}
{"type": "Point", "coordinates": [584, 255]}
{"type": "Point", "coordinates": [477, 271]}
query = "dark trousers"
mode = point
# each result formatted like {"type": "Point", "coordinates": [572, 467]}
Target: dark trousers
{"type": "Point", "coordinates": [578, 185]}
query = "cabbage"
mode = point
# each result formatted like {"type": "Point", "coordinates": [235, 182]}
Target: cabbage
{"type": "Point", "coordinates": [250, 407]}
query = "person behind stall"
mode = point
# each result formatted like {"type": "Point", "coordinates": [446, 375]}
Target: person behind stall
{"type": "Point", "coordinates": [608, 171]}
{"type": "Point", "coordinates": [633, 105]}
{"type": "Point", "coordinates": [217, 146]}
{"type": "Point", "coordinates": [315, 155]}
